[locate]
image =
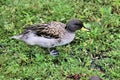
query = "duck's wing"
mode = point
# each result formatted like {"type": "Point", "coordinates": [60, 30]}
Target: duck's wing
{"type": "Point", "coordinates": [49, 30]}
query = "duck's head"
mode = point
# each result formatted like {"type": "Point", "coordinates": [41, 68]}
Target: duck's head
{"type": "Point", "coordinates": [74, 25]}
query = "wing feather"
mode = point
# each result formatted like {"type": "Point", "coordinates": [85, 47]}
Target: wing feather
{"type": "Point", "coordinates": [49, 30]}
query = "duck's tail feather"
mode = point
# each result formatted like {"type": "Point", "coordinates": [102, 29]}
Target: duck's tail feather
{"type": "Point", "coordinates": [16, 37]}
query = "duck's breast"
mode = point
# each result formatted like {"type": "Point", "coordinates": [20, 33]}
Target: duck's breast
{"type": "Point", "coordinates": [66, 39]}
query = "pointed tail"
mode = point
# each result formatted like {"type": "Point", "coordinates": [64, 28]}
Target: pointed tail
{"type": "Point", "coordinates": [16, 37]}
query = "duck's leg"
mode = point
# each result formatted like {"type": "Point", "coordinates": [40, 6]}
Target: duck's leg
{"type": "Point", "coordinates": [53, 51]}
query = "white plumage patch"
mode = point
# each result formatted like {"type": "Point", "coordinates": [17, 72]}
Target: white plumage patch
{"type": "Point", "coordinates": [32, 39]}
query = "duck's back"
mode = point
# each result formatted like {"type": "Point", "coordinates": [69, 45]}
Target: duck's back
{"type": "Point", "coordinates": [49, 30]}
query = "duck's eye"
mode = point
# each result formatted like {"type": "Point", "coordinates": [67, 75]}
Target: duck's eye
{"type": "Point", "coordinates": [77, 24]}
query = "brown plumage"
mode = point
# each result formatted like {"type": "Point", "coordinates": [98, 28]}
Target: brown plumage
{"type": "Point", "coordinates": [48, 30]}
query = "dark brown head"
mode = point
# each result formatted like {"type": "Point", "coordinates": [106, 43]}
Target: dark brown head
{"type": "Point", "coordinates": [74, 25]}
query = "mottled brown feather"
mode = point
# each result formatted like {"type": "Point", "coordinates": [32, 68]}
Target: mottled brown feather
{"type": "Point", "coordinates": [49, 30]}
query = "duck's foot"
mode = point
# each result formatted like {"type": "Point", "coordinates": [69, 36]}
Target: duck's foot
{"type": "Point", "coordinates": [53, 52]}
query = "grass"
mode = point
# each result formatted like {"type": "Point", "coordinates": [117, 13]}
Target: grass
{"type": "Point", "coordinates": [95, 53]}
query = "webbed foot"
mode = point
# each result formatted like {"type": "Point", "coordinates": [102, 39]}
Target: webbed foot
{"type": "Point", "coordinates": [53, 52]}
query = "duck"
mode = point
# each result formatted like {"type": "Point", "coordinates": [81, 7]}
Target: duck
{"type": "Point", "coordinates": [52, 34]}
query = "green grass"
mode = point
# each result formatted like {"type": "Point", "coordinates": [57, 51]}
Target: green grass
{"type": "Point", "coordinates": [102, 45]}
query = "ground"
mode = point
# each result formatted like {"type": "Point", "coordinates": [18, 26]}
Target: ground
{"type": "Point", "coordinates": [94, 53]}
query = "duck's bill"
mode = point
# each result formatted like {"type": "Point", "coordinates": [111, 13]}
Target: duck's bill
{"type": "Point", "coordinates": [85, 29]}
